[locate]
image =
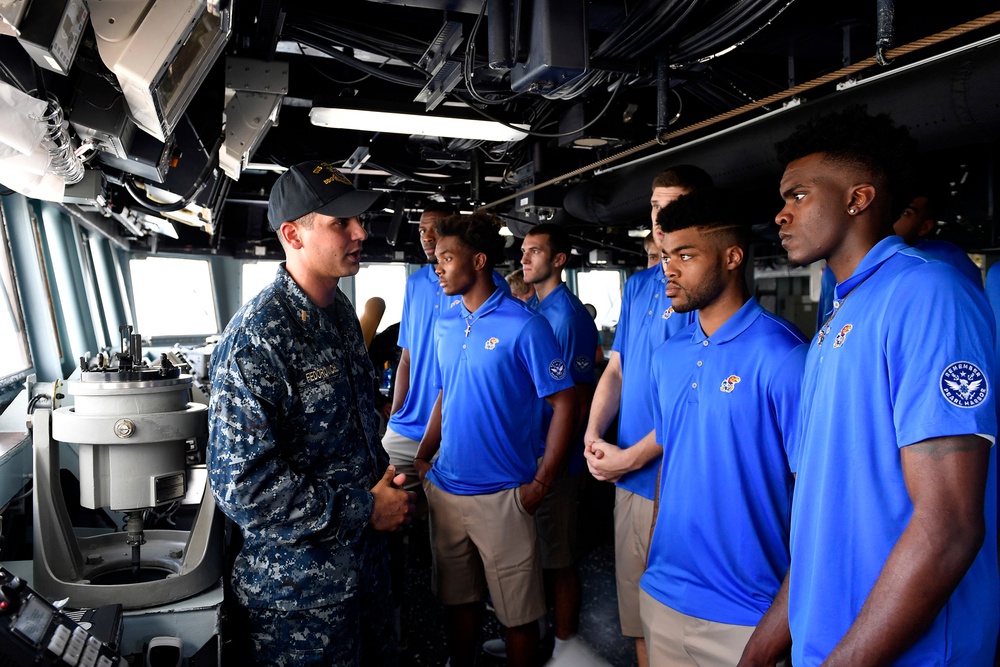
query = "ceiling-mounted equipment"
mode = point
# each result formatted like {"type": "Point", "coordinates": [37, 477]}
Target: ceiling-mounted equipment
{"type": "Point", "coordinates": [556, 48]}
{"type": "Point", "coordinates": [254, 90]}
{"type": "Point", "coordinates": [161, 52]}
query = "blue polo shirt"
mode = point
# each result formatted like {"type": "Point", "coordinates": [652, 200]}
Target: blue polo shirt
{"type": "Point", "coordinates": [951, 254]}
{"type": "Point", "coordinates": [646, 320]}
{"type": "Point", "coordinates": [942, 251]}
{"type": "Point", "coordinates": [423, 303]}
{"type": "Point", "coordinates": [724, 405]}
{"type": "Point", "coordinates": [494, 380]}
{"type": "Point", "coordinates": [576, 335]}
{"type": "Point", "coordinates": [907, 356]}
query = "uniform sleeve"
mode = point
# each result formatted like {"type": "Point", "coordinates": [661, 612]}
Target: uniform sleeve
{"type": "Point", "coordinates": [939, 356]}
{"type": "Point", "coordinates": [783, 394]}
{"type": "Point", "coordinates": [578, 339]}
{"type": "Point", "coordinates": [539, 353]}
{"type": "Point", "coordinates": [252, 481]}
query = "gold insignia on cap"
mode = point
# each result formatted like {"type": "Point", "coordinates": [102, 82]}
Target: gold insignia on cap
{"type": "Point", "coordinates": [339, 177]}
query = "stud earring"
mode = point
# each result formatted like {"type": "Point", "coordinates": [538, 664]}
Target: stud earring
{"type": "Point", "coordinates": [852, 211]}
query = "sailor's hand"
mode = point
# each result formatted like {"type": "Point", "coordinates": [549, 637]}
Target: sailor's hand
{"type": "Point", "coordinates": [394, 507]}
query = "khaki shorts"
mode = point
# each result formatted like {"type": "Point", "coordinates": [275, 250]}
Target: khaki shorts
{"type": "Point", "coordinates": [486, 541]}
{"type": "Point", "coordinates": [633, 521]}
{"type": "Point", "coordinates": [556, 521]}
{"type": "Point", "coordinates": [673, 638]}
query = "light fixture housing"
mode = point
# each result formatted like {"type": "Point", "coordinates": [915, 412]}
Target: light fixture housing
{"type": "Point", "coordinates": [414, 122]}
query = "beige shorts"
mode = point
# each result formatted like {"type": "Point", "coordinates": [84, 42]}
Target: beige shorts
{"type": "Point", "coordinates": [556, 521]}
{"type": "Point", "coordinates": [633, 520]}
{"type": "Point", "coordinates": [486, 541]}
{"type": "Point", "coordinates": [673, 638]}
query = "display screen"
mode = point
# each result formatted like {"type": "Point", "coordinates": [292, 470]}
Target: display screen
{"type": "Point", "coordinates": [190, 62]}
{"type": "Point", "coordinates": [34, 620]}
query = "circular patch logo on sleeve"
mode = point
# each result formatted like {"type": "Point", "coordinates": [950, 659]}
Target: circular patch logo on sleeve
{"type": "Point", "coordinates": [964, 385]}
{"type": "Point", "coordinates": [557, 369]}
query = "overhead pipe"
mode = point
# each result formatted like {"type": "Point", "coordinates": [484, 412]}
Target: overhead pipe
{"type": "Point", "coordinates": [946, 102]}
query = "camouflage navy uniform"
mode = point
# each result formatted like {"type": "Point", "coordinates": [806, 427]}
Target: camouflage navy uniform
{"type": "Point", "coordinates": [293, 451]}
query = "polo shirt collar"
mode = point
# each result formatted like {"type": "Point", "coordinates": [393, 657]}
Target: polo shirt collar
{"type": "Point", "coordinates": [549, 300]}
{"type": "Point", "coordinates": [731, 328]}
{"type": "Point", "coordinates": [491, 304]}
{"type": "Point", "coordinates": [870, 263]}
{"type": "Point", "coordinates": [432, 277]}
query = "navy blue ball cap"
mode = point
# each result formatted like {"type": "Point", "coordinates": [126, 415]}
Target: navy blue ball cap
{"type": "Point", "coordinates": [319, 187]}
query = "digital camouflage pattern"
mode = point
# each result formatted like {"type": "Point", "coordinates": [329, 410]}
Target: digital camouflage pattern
{"type": "Point", "coordinates": [348, 633]}
{"type": "Point", "coordinates": [294, 450]}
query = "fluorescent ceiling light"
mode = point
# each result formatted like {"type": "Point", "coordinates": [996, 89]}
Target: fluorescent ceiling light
{"type": "Point", "coordinates": [404, 123]}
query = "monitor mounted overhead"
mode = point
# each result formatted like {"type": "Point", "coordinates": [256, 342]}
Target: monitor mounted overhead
{"type": "Point", "coordinates": [160, 51]}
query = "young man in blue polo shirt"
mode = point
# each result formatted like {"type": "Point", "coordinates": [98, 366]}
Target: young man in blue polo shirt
{"type": "Point", "coordinates": [647, 319]}
{"type": "Point", "coordinates": [893, 539]}
{"type": "Point", "coordinates": [486, 484]}
{"type": "Point", "coordinates": [544, 253]}
{"type": "Point", "coordinates": [413, 396]}
{"type": "Point", "coordinates": [726, 391]}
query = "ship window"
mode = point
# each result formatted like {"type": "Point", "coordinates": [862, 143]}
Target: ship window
{"type": "Point", "coordinates": [603, 290]}
{"type": "Point", "coordinates": [12, 335]}
{"type": "Point", "coordinates": [256, 276]}
{"type": "Point", "coordinates": [383, 280]}
{"type": "Point", "coordinates": [173, 297]}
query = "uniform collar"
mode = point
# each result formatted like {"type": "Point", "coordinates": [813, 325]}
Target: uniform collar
{"type": "Point", "coordinates": [732, 327]}
{"type": "Point", "coordinates": [432, 277]}
{"type": "Point", "coordinates": [307, 313]}
{"type": "Point", "coordinates": [870, 263]}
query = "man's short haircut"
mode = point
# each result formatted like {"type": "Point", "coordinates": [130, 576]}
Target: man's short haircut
{"type": "Point", "coordinates": [711, 210]}
{"type": "Point", "coordinates": [479, 231]}
{"type": "Point", "coordinates": [558, 237]}
{"type": "Point", "coordinates": [443, 207]}
{"type": "Point", "coordinates": [648, 242]}
{"type": "Point", "coordinates": [516, 281]}
{"type": "Point", "coordinates": [872, 144]}
{"type": "Point", "coordinates": [685, 176]}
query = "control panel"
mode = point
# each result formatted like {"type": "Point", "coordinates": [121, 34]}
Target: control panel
{"type": "Point", "coordinates": [33, 632]}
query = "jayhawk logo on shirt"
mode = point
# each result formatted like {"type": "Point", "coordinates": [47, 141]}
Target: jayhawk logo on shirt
{"type": "Point", "coordinates": [454, 303]}
{"type": "Point", "coordinates": [730, 383]}
{"type": "Point", "coordinates": [492, 343]}
{"type": "Point", "coordinates": [839, 340]}
{"type": "Point", "coordinates": [668, 312]}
